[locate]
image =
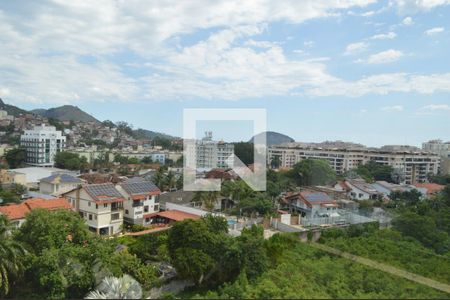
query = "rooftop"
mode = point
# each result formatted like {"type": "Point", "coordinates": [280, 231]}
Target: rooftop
{"type": "Point", "coordinates": [103, 193]}
{"type": "Point", "coordinates": [140, 187]}
{"type": "Point", "coordinates": [18, 211]}
{"type": "Point", "coordinates": [61, 178]}
{"type": "Point", "coordinates": [177, 215]}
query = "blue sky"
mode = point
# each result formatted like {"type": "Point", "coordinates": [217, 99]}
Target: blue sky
{"type": "Point", "coordinates": [367, 71]}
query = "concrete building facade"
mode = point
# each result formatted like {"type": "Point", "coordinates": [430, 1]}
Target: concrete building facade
{"type": "Point", "coordinates": [415, 166]}
{"type": "Point", "coordinates": [41, 145]}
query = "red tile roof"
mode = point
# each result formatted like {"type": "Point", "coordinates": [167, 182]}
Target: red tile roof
{"type": "Point", "coordinates": [432, 188]}
{"type": "Point", "coordinates": [18, 211]}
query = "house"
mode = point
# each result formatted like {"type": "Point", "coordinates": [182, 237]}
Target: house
{"type": "Point", "coordinates": [8, 177]}
{"type": "Point", "coordinates": [312, 204]}
{"type": "Point", "coordinates": [430, 188]}
{"type": "Point", "coordinates": [357, 189]}
{"type": "Point", "coordinates": [58, 184]}
{"type": "Point", "coordinates": [101, 206]}
{"type": "Point", "coordinates": [385, 188]}
{"type": "Point", "coordinates": [16, 213]}
{"type": "Point", "coordinates": [141, 200]}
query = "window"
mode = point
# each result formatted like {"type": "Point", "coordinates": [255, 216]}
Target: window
{"type": "Point", "coordinates": [126, 211]}
{"type": "Point", "coordinates": [89, 203]}
{"type": "Point", "coordinates": [105, 205]}
{"type": "Point", "coordinates": [96, 206]}
{"type": "Point", "coordinates": [90, 217]}
{"type": "Point", "coordinates": [115, 216]}
{"type": "Point", "coordinates": [156, 208]}
{"type": "Point", "coordinates": [146, 208]}
{"type": "Point", "coordinates": [147, 220]}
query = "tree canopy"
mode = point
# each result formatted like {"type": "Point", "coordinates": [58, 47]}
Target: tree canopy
{"type": "Point", "coordinates": [312, 171]}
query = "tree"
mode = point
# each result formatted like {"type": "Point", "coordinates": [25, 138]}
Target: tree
{"type": "Point", "coordinates": [125, 287]}
{"type": "Point", "coordinates": [147, 160]}
{"type": "Point", "coordinates": [375, 171]}
{"type": "Point", "coordinates": [170, 180]}
{"type": "Point", "coordinates": [423, 229]}
{"type": "Point", "coordinates": [71, 161]}
{"type": "Point", "coordinates": [43, 229]}
{"type": "Point", "coordinates": [203, 252]}
{"type": "Point", "coordinates": [15, 157]}
{"type": "Point", "coordinates": [10, 256]}
{"type": "Point", "coordinates": [312, 171]}
{"type": "Point", "coordinates": [254, 260]}
{"type": "Point", "coordinates": [207, 199]}
{"type": "Point", "coordinates": [244, 151]}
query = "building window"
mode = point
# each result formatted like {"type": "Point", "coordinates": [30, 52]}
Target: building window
{"type": "Point", "coordinates": [90, 217]}
{"type": "Point", "coordinates": [105, 205]}
{"type": "Point", "coordinates": [156, 207]}
{"type": "Point", "coordinates": [126, 211]}
{"type": "Point", "coordinates": [146, 208]}
{"type": "Point", "coordinates": [96, 206]}
{"type": "Point", "coordinates": [89, 203]}
{"type": "Point", "coordinates": [115, 216]}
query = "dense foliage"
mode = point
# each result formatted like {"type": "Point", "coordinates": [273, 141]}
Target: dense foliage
{"type": "Point", "coordinates": [244, 151]}
{"type": "Point", "coordinates": [203, 252]}
{"type": "Point", "coordinates": [373, 171]}
{"type": "Point", "coordinates": [15, 157]}
{"type": "Point", "coordinates": [305, 272]}
{"type": "Point", "coordinates": [65, 260]}
{"type": "Point", "coordinates": [71, 161]}
{"type": "Point", "coordinates": [390, 247]}
{"type": "Point", "coordinates": [312, 171]}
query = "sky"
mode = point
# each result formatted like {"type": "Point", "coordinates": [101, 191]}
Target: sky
{"type": "Point", "coordinates": [366, 71]}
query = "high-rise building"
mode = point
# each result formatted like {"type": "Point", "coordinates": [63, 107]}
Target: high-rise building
{"type": "Point", "coordinates": [413, 166]}
{"type": "Point", "coordinates": [212, 154]}
{"type": "Point", "coordinates": [41, 145]}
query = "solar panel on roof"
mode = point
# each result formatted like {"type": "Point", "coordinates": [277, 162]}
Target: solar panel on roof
{"type": "Point", "coordinates": [103, 189]}
{"type": "Point", "coordinates": [316, 197]}
{"type": "Point", "coordinates": [139, 187]}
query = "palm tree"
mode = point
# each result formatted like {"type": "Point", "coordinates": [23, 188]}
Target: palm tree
{"type": "Point", "coordinates": [207, 199]}
{"type": "Point", "coordinates": [125, 287]}
{"type": "Point", "coordinates": [10, 255]}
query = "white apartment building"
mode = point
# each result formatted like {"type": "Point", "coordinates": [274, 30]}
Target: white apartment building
{"type": "Point", "coordinates": [212, 154]}
{"type": "Point", "coordinates": [141, 201]}
{"type": "Point", "coordinates": [41, 144]}
{"type": "Point", "coordinates": [441, 148]}
{"type": "Point", "coordinates": [414, 166]}
{"type": "Point", "coordinates": [101, 206]}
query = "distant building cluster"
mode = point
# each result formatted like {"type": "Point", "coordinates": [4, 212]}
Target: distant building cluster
{"type": "Point", "coordinates": [414, 164]}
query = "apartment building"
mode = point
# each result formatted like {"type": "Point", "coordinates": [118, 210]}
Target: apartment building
{"type": "Point", "coordinates": [212, 154]}
{"type": "Point", "coordinates": [41, 145]}
{"type": "Point", "coordinates": [101, 206]}
{"type": "Point", "coordinates": [414, 166]}
{"type": "Point", "coordinates": [141, 201]}
{"type": "Point", "coordinates": [441, 148]}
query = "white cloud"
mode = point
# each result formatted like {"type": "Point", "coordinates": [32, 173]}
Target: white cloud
{"type": "Point", "coordinates": [405, 6]}
{"type": "Point", "coordinates": [383, 57]}
{"type": "Point", "coordinates": [394, 108]}
{"type": "Point", "coordinates": [437, 107]}
{"type": "Point", "coordinates": [387, 36]}
{"type": "Point", "coordinates": [434, 31]}
{"type": "Point", "coordinates": [59, 51]}
{"type": "Point", "coordinates": [408, 21]}
{"type": "Point", "coordinates": [384, 84]}
{"type": "Point", "coordinates": [356, 48]}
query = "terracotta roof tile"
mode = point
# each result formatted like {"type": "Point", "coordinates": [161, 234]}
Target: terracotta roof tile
{"type": "Point", "coordinates": [19, 211]}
